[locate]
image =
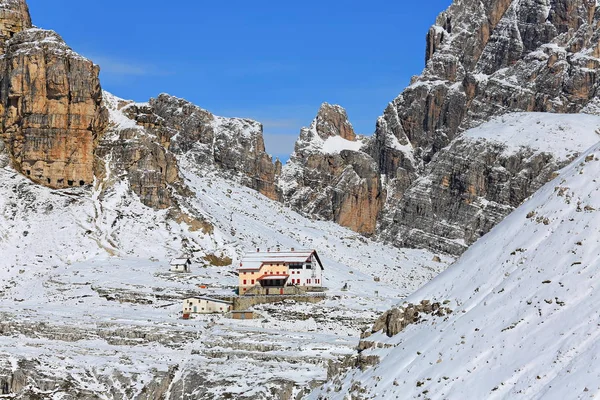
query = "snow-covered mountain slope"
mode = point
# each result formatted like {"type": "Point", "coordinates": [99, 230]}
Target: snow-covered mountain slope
{"type": "Point", "coordinates": [525, 321]}
{"type": "Point", "coordinates": [88, 307]}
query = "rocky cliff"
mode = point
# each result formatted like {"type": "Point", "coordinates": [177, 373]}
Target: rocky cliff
{"type": "Point", "coordinates": [56, 131]}
{"type": "Point", "coordinates": [146, 142]}
{"type": "Point", "coordinates": [232, 145]}
{"type": "Point", "coordinates": [129, 150]}
{"type": "Point", "coordinates": [328, 176]}
{"type": "Point", "coordinates": [50, 103]}
{"type": "Point", "coordinates": [14, 18]}
{"type": "Point", "coordinates": [483, 59]}
{"type": "Point", "coordinates": [525, 55]}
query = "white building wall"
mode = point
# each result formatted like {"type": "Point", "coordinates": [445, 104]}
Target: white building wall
{"type": "Point", "coordinates": [179, 268]}
{"type": "Point", "coordinates": [202, 306]}
{"type": "Point", "coordinates": [306, 276]}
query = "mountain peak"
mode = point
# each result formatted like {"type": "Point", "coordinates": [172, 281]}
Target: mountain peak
{"type": "Point", "coordinates": [332, 120]}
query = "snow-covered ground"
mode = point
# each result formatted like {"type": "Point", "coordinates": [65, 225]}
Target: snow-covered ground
{"type": "Point", "coordinates": [86, 295]}
{"type": "Point", "coordinates": [562, 135]}
{"type": "Point", "coordinates": [526, 323]}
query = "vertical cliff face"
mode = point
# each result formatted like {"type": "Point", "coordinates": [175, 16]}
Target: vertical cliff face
{"type": "Point", "coordinates": [483, 59]}
{"type": "Point", "coordinates": [489, 58]}
{"type": "Point", "coordinates": [14, 18]}
{"type": "Point", "coordinates": [50, 102]}
{"type": "Point", "coordinates": [329, 177]}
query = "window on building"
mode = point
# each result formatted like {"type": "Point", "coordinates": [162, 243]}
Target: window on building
{"type": "Point", "coordinates": [253, 281]}
{"type": "Point", "coordinates": [244, 281]}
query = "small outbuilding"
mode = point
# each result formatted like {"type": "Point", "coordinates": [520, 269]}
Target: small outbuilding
{"type": "Point", "coordinates": [205, 305]}
{"type": "Point", "coordinates": [243, 314]}
{"type": "Point", "coordinates": [182, 264]}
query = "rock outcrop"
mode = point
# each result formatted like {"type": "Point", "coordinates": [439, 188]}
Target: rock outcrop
{"type": "Point", "coordinates": [397, 319]}
{"type": "Point", "coordinates": [14, 18]}
{"type": "Point", "coordinates": [129, 150]}
{"type": "Point", "coordinates": [145, 141]}
{"type": "Point", "coordinates": [232, 145]}
{"type": "Point", "coordinates": [329, 177]}
{"type": "Point", "coordinates": [50, 103]}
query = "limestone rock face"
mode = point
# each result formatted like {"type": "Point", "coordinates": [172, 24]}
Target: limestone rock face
{"type": "Point", "coordinates": [471, 187]}
{"type": "Point", "coordinates": [50, 102]}
{"type": "Point", "coordinates": [524, 55]}
{"type": "Point", "coordinates": [14, 18]}
{"type": "Point", "coordinates": [130, 149]}
{"type": "Point", "coordinates": [521, 58]}
{"type": "Point", "coordinates": [328, 177]}
{"type": "Point", "coordinates": [4, 158]}
{"type": "Point", "coordinates": [333, 121]}
{"type": "Point", "coordinates": [146, 141]}
{"type": "Point", "coordinates": [232, 145]}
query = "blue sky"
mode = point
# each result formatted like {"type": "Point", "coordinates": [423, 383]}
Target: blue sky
{"type": "Point", "coordinates": [275, 62]}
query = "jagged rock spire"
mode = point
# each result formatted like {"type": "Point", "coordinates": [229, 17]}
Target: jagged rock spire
{"type": "Point", "coordinates": [332, 120]}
